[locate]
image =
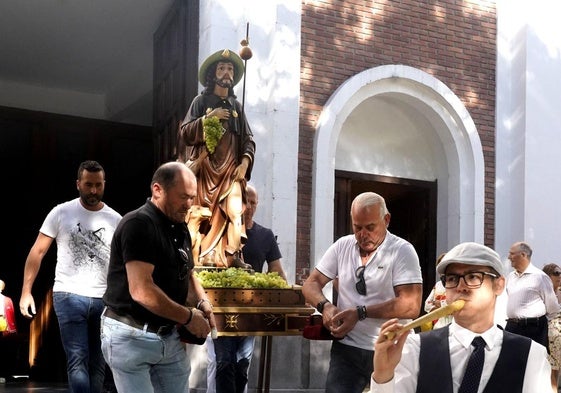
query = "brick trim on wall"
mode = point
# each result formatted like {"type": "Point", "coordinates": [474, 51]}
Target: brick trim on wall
{"type": "Point", "coordinates": [453, 41]}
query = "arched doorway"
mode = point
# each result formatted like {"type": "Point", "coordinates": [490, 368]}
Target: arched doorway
{"type": "Point", "coordinates": [400, 123]}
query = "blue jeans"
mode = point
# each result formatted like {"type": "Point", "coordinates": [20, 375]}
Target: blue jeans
{"type": "Point", "coordinates": [78, 321]}
{"type": "Point", "coordinates": [350, 369]}
{"type": "Point", "coordinates": [233, 356]}
{"type": "Point", "coordinates": [144, 362]}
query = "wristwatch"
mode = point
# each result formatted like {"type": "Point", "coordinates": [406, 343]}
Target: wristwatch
{"type": "Point", "coordinates": [320, 305]}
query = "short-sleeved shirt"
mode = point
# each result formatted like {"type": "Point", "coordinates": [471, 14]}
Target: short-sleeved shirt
{"type": "Point", "coordinates": [83, 239]}
{"type": "Point", "coordinates": [261, 247]}
{"type": "Point", "coordinates": [394, 263]}
{"type": "Point", "coordinates": [148, 235]}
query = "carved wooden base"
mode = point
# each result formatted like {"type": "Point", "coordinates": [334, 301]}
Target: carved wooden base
{"type": "Point", "coordinates": [261, 321]}
{"type": "Point", "coordinates": [259, 312]}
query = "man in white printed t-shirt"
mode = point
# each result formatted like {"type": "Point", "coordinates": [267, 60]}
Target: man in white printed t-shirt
{"type": "Point", "coordinates": [83, 229]}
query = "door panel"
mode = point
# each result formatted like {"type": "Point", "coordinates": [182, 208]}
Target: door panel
{"type": "Point", "coordinates": [176, 54]}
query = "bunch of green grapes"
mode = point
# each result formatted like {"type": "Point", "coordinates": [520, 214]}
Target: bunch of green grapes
{"type": "Point", "coordinates": [239, 278]}
{"type": "Point", "coordinates": [213, 130]}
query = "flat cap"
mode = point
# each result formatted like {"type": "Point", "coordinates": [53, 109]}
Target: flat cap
{"type": "Point", "coordinates": [471, 253]}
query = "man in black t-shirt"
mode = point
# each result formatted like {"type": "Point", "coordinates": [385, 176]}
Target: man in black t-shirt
{"type": "Point", "coordinates": [150, 275]}
{"type": "Point", "coordinates": [231, 356]}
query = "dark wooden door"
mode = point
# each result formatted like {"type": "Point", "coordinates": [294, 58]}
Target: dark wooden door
{"type": "Point", "coordinates": [40, 153]}
{"type": "Point", "coordinates": [176, 55]}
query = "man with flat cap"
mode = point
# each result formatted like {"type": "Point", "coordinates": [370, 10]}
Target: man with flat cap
{"type": "Point", "coordinates": [441, 360]}
{"type": "Point", "coordinates": [222, 160]}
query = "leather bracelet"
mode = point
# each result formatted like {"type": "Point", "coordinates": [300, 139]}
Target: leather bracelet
{"type": "Point", "coordinates": [200, 303]}
{"type": "Point", "coordinates": [190, 317]}
{"type": "Point", "coordinates": [321, 304]}
{"type": "Point", "coordinates": [361, 311]}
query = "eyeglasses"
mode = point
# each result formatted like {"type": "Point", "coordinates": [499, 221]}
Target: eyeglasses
{"type": "Point", "coordinates": [361, 284]}
{"type": "Point", "coordinates": [471, 279]}
{"type": "Point", "coordinates": [556, 273]}
{"type": "Point", "coordinates": [184, 268]}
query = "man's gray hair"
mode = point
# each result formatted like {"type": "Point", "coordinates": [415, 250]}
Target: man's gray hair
{"type": "Point", "coordinates": [367, 199]}
{"type": "Point", "coordinates": [526, 249]}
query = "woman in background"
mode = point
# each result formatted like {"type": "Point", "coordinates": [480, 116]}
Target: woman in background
{"type": "Point", "coordinates": [437, 299]}
{"type": "Point", "coordinates": [554, 327]}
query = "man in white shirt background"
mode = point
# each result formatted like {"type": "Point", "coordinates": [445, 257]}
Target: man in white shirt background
{"type": "Point", "coordinates": [531, 297]}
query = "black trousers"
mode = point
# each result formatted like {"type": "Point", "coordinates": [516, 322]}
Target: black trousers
{"type": "Point", "coordinates": [534, 328]}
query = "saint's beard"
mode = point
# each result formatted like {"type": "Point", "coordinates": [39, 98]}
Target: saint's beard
{"type": "Point", "coordinates": [226, 83]}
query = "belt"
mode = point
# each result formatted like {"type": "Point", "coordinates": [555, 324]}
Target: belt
{"type": "Point", "coordinates": [161, 330]}
{"type": "Point", "coordinates": [527, 321]}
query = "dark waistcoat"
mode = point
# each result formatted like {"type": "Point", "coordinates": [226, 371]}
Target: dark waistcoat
{"type": "Point", "coordinates": [435, 371]}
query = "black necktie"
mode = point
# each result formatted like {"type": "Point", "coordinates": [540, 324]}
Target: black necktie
{"type": "Point", "coordinates": [470, 382]}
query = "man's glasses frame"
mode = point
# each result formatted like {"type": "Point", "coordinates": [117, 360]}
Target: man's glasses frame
{"type": "Point", "coordinates": [361, 283]}
{"type": "Point", "coordinates": [472, 280]}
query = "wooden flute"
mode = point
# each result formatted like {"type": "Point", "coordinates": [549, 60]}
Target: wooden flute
{"type": "Point", "coordinates": [435, 314]}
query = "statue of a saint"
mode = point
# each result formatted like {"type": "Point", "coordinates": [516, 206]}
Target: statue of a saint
{"type": "Point", "coordinates": [216, 142]}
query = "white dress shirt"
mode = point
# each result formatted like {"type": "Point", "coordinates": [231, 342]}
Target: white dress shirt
{"type": "Point", "coordinates": [536, 379]}
{"type": "Point", "coordinates": [530, 294]}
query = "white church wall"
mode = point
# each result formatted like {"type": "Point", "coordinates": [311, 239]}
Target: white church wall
{"type": "Point", "coordinates": [528, 128]}
{"type": "Point", "coordinates": [272, 93]}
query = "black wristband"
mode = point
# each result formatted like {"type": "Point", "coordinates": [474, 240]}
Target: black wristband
{"type": "Point", "coordinates": [190, 317]}
{"type": "Point", "coordinates": [361, 311]}
{"type": "Point", "coordinates": [321, 304]}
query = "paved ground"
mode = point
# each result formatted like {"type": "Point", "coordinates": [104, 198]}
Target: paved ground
{"type": "Point", "coordinates": [22, 385]}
